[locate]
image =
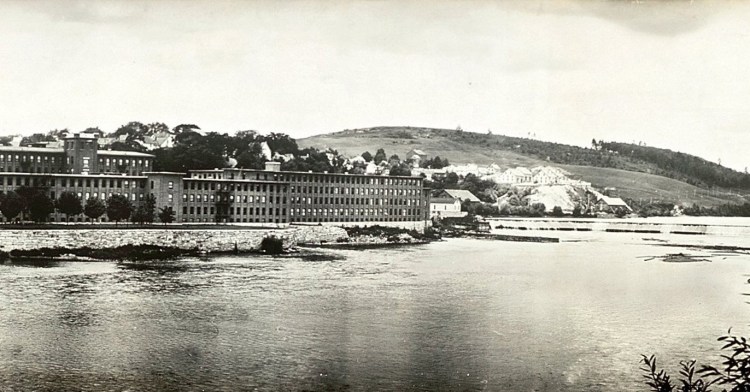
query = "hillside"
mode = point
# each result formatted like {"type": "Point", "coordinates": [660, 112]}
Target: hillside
{"type": "Point", "coordinates": [631, 175]}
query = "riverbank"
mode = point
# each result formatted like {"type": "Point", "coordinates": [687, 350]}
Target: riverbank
{"type": "Point", "coordinates": [154, 243]}
{"type": "Point", "coordinates": [369, 237]}
{"type": "Point", "coordinates": [160, 243]}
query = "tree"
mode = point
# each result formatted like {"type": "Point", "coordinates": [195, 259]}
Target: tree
{"type": "Point", "coordinates": [577, 211]}
{"type": "Point", "coordinates": [558, 212]}
{"type": "Point", "coordinates": [451, 179]}
{"type": "Point", "coordinates": [538, 209]}
{"type": "Point", "coordinates": [379, 156]}
{"type": "Point", "coordinates": [94, 208]}
{"type": "Point", "coordinates": [367, 156]}
{"type": "Point", "coordinates": [185, 128]}
{"type": "Point", "coordinates": [40, 206]}
{"type": "Point", "coordinates": [118, 208]}
{"type": "Point", "coordinates": [146, 211]}
{"type": "Point", "coordinates": [26, 193]}
{"type": "Point", "coordinates": [401, 169]}
{"type": "Point", "coordinates": [94, 130]}
{"type": "Point", "coordinates": [139, 215]}
{"type": "Point", "coordinates": [69, 204]}
{"type": "Point", "coordinates": [281, 143]}
{"type": "Point", "coordinates": [11, 205]}
{"type": "Point", "coordinates": [166, 215]}
{"type": "Point", "coordinates": [149, 208]}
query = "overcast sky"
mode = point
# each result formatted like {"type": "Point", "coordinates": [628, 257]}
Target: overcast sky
{"type": "Point", "coordinates": [670, 74]}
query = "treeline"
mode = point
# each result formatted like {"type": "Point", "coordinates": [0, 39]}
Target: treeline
{"type": "Point", "coordinates": [671, 209]}
{"type": "Point", "coordinates": [484, 190]}
{"type": "Point", "coordinates": [722, 210]}
{"type": "Point", "coordinates": [194, 151]}
{"type": "Point", "coordinates": [684, 167]}
{"type": "Point", "coordinates": [34, 203]}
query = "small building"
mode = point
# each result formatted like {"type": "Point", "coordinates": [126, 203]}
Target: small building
{"type": "Point", "coordinates": [446, 207]}
{"type": "Point", "coordinates": [519, 175]}
{"type": "Point", "coordinates": [446, 203]}
{"type": "Point", "coordinates": [459, 194]}
{"type": "Point", "coordinates": [416, 156]}
{"type": "Point", "coordinates": [612, 205]}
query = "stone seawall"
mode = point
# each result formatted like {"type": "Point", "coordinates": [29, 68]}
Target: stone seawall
{"type": "Point", "coordinates": [209, 240]}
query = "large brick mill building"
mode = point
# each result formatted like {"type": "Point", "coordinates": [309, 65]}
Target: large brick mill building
{"type": "Point", "coordinates": [229, 195]}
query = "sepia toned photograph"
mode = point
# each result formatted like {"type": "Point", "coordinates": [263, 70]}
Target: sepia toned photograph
{"type": "Point", "coordinates": [374, 195]}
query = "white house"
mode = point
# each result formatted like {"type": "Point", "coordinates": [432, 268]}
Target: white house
{"type": "Point", "coordinates": [416, 156]}
{"type": "Point", "coordinates": [519, 175]}
{"type": "Point", "coordinates": [446, 207]}
{"type": "Point", "coordinates": [446, 203]}
{"type": "Point", "coordinates": [548, 175]}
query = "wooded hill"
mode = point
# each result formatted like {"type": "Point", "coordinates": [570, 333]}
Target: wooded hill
{"type": "Point", "coordinates": [638, 171]}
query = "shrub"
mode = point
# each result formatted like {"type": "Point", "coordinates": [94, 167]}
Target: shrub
{"type": "Point", "coordinates": [272, 245]}
{"type": "Point", "coordinates": [735, 376]}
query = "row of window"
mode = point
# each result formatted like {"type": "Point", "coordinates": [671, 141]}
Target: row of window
{"type": "Point", "coordinates": [345, 179]}
{"type": "Point", "coordinates": [229, 175]}
{"type": "Point", "coordinates": [314, 178]}
{"type": "Point", "coordinates": [30, 158]}
{"type": "Point", "coordinates": [120, 162]}
{"type": "Point", "coordinates": [355, 201]}
{"type": "Point", "coordinates": [355, 191]}
{"type": "Point", "coordinates": [231, 187]}
{"type": "Point", "coordinates": [236, 220]}
{"type": "Point", "coordinates": [332, 218]}
{"type": "Point", "coordinates": [206, 210]}
{"type": "Point", "coordinates": [355, 211]}
{"type": "Point", "coordinates": [231, 198]}
{"type": "Point", "coordinates": [72, 182]}
{"type": "Point", "coordinates": [83, 196]}
{"type": "Point", "coordinates": [55, 159]}
{"type": "Point", "coordinates": [43, 169]}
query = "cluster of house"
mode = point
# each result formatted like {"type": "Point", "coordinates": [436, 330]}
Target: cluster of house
{"type": "Point", "coordinates": [519, 176]}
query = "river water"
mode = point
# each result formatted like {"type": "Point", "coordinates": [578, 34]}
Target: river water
{"type": "Point", "coordinates": [460, 314]}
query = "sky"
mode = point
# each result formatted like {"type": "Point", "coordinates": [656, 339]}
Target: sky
{"type": "Point", "coordinates": [671, 74]}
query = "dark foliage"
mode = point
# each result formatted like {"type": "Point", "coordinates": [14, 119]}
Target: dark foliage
{"type": "Point", "coordinates": [722, 210]}
{"type": "Point", "coordinates": [272, 245]}
{"type": "Point", "coordinates": [69, 204]}
{"type": "Point", "coordinates": [400, 169]}
{"type": "Point", "coordinates": [379, 156]}
{"type": "Point", "coordinates": [435, 163]}
{"type": "Point", "coordinates": [166, 215]}
{"type": "Point", "coordinates": [94, 208]}
{"type": "Point", "coordinates": [118, 208]}
{"type": "Point", "coordinates": [40, 206]}
{"type": "Point", "coordinates": [733, 375]}
{"type": "Point", "coordinates": [684, 167]}
{"type": "Point", "coordinates": [125, 252]}
{"type": "Point", "coordinates": [11, 205]}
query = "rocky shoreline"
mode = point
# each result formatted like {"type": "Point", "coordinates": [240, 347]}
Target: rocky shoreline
{"type": "Point", "coordinates": [166, 244]}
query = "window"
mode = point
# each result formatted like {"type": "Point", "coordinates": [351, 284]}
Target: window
{"type": "Point", "coordinates": [170, 185]}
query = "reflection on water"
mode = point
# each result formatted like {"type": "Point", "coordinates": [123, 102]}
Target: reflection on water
{"type": "Point", "coordinates": [458, 315]}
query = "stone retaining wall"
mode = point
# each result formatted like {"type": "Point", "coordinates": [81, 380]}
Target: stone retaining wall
{"type": "Point", "coordinates": [210, 240]}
